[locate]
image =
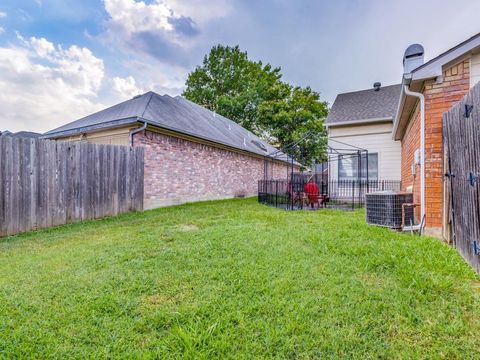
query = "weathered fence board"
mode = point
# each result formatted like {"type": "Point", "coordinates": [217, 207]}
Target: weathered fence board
{"type": "Point", "coordinates": [461, 143]}
{"type": "Point", "coordinates": [45, 183]}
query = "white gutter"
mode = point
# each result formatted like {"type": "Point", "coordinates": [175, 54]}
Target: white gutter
{"type": "Point", "coordinates": [422, 146]}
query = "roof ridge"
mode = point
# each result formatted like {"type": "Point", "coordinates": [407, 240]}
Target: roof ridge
{"type": "Point", "coordinates": [148, 103]}
{"type": "Point", "coordinates": [369, 89]}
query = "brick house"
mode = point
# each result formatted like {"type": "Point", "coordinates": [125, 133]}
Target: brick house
{"type": "Point", "coordinates": [191, 153]}
{"type": "Point", "coordinates": [431, 88]}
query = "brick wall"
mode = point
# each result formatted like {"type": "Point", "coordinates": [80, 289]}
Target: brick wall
{"type": "Point", "coordinates": [410, 143]}
{"type": "Point", "coordinates": [178, 171]}
{"type": "Point", "coordinates": [438, 99]}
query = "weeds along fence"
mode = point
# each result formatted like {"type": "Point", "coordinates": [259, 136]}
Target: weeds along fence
{"type": "Point", "coordinates": [342, 194]}
{"type": "Point", "coordinates": [45, 183]}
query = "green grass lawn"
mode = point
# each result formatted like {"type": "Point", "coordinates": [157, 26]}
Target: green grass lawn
{"type": "Point", "coordinates": [235, 279]}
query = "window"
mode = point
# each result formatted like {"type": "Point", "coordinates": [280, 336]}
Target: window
{"type": "Point", "coordinates": [348, 167]}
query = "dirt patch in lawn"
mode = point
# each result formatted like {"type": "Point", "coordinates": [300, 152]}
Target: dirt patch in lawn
{"type": "Point", "coordinates": [476, 285]}
{"type": "Point", "coordinates": [186, 227]}
{"type": "Point", "coordinates": [161, 300]}
{"type": "Point", "coordinates": [375, 281]}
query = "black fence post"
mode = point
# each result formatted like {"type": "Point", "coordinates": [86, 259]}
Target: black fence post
{"type": "Point", "coordinates": [353, 196]}
{"type": "Point", "coordinates": [276, 193]}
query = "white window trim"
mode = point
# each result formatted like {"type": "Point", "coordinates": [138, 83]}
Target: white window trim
{"type": "Point", "coordinates": [370, 152]}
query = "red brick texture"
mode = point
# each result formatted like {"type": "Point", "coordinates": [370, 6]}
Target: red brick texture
{"type": "Point", "coordinates": [410, 143]}
{"type": "Point", "coordinates": [438, 99]}
{"type": "Point", "coordinates": [179, 171]}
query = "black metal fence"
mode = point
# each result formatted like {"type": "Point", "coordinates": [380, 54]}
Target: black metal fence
{"type": "Point", "coordinates": [315, 192]}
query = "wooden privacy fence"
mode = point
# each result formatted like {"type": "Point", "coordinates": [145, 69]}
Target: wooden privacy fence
{"type": "Point", "coordinates": [45, 183]}
{"type": "Point", "coordinates": [461, 142]}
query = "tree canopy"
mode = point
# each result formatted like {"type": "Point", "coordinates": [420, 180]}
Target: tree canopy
{"type": "Point", "coordinates": [255, 96]}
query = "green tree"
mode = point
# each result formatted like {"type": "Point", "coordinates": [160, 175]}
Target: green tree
{"type": "Point", "coordinates": [254, 95]}
{"type": "Point", "coordinates": [297, 119]}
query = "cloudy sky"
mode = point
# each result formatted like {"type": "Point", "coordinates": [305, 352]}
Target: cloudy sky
{"type": "Point", "coordinates": [63, 59]}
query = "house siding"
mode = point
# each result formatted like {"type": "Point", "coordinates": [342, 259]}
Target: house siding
{"type": "Point", "coordinates": [376, 138]}
{"type": "Point", "coordinates": [438, 99]}
{"type": "Point", "coordinates": [474, 69]}
{"type": "Point", "coordinates": [178, 171]}
{"type": "Point", "coordinates": [117, 136]}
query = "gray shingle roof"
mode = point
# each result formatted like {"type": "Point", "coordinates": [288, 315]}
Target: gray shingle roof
{"type": "Point", "coordinates": [175, 114]}
{"type": "Point", "coordinates": [365, 105]}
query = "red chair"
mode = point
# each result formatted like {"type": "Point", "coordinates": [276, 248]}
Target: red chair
{"type": "Point", "coordinates": [311, 190]}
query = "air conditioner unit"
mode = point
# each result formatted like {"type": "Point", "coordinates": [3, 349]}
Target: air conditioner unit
{"type": "Point", "coordinates": [384, 208]}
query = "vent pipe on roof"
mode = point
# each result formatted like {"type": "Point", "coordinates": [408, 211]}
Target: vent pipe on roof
{"type": "Point", "coordinates": [377, 86]}
{"type": "Point", "coordinates": [413, 58]}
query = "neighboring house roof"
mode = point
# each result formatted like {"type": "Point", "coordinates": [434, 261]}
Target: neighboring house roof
{"type": "Point", "coordinates": [365, 106]}
{"type": "Point", "coordinates": [21, 134]}
{"type": "Point", "coordinates": [431, 69]}
{"type": "Point", "coordinates": [172, 113]}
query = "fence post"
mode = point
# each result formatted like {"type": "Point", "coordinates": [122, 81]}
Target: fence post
{"type": "Point", "coordinates": [276, 193]}
{"type": "Point", "coordinates": [353, 196]}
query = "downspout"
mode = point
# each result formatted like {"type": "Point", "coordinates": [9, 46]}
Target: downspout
{"type": "Point", "coordinates": [135, 131]}
{"type": "Point", "coordinates": [422, 147]}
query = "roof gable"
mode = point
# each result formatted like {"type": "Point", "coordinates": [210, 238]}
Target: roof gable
{"type": "Point", "coordinates": [433, 67]}
{"type": "Point", "coordinates": [130, 109]}
{"type": "Point", "coordinates": [365, 106]}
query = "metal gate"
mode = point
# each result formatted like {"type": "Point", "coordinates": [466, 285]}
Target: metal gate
{"type": "Point", "coordinates": [461, 144]}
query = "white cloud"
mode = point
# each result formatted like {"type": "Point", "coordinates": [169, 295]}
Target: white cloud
{"type": "Point", "coordinates": [42, 46]}
{"type": "Point", "coordinates": [126, 87]}
{"type": "Point", "coordinates": [43, 86]}
{"type": "Point", "coordinates": [153, 29]}
{"type": "Point", "coordinates": [201, 11]}
{"type": "Point", "coordinates": [138, 16]}
{"type": "Point", "coordinates": [166, 30]}
{"type": "Point", "coordinates": [2, 15]}
{"type": "Point", "coordinates": [161, 38]}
